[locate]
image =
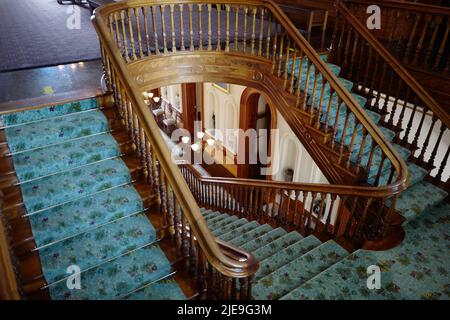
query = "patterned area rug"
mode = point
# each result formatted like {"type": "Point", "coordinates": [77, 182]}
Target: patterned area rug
{"type": "Point", "coordinates": [83, 208]}
{"type": "Point", "coordinates": [35, 33]}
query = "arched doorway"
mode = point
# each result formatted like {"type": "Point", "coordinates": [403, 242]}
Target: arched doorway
{"type": "Point", "coordinates": [255, 113]}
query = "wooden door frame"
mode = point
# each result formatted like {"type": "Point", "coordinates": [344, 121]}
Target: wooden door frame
{"type": "Point", "coordinates": [248, 107]}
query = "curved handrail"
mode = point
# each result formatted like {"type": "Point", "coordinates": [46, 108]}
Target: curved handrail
{"type": "Point", "coordinates": [398, 163]}
{"type": "Point", "coordinates": [223, 263]}
{"type": "Point", "coordinates": [423, 94]}
{"type": "Point", "coordinates": [126, 90]}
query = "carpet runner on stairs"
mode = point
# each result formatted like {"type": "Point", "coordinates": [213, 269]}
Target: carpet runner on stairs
{"type": "Point", "coordinates": [421, 194]}
{"type": "Point", "coordinates": [82, 206]}
{"type": "Point", "coordinates": [296, 267]}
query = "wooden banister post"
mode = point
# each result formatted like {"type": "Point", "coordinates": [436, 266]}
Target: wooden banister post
{"type": "Point", "coordinates": [9, 289]}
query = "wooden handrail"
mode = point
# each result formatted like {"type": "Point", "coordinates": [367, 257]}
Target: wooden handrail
{"type": "Point", "coordinates": [126, 43]}
{"type": "Point", "coordinates": [215, 256]}
{"type": "Point", "coordinates": [361, 54]}
{"type": "Point", "coordinates": [9, 288]}
{"type": "Point", "coordinates": [307, 208]}
{"type": "Point", "coordinates": [412, 82]}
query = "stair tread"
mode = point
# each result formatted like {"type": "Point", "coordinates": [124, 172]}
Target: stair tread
{"type": "Point", "coordinates": [75, 217]}
{"type": "Point", "coordinates": [416, 269]}
{"type": "Point", "coordinates": [277, 245]}
{"type": "Point", "coordinates": [166, 289]}
{"type": "Point", "coordinates": [49, 112]}
{"type": "Point", "coordinates": [217, 218]}
{"type": "Point", "coordinates": [419, 197]}
{"type": "Point", "coordinates": [286, 255]}
{"type": "Point", "coordinates": [97, 245]}
{"type": "Point", "coordinates": [118, 277]}
{"type": "Point", "coordinates": [51, 131]}
{"type": "Point", "coordinates": [222, 222]}
{"type": "Point", "coordinates": [298, 271]}
{"type": "Point", "coordinates": [230, 225]}
{"type": "Point", "coordinates": [59, 188]}
{"type": "Point", "coordinates": [264, 240]}
{"type": "Point", "coordinates": [64, 156]}
{"type": "Point", "coordinates": [238, 231]}
{"type": "Point", "coordinates": [248, 236]}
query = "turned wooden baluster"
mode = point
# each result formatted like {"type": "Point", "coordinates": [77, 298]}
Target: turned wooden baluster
{"type": "Point", "coordinates": [292, 76]}
{"type": "Point", "coordinates": [324, 84]}
{"type": "Point", "coordinates": [268, 39]}
{"type": "Point", "coordinates": [261, 31]}
{"type": "Point", "coordinates": [419, 46]}
{"type": "Point", "coordinates": [440, 54]}
{"type": "Point", "coordinates": [182, 44]}
{"type": "Point", "coordinates": [280, 56]}
{"type": "Point", "coordinates": [426, 143]}
{"type": "Point", "coordinates": [313, 96]}
{"type": "Point", "coordinates": [172, 27]}
{"type": "Point", "coordinates": [254, 11]}
{"type": "Point", "coordinates": [219, 39]}
{"type": "Point", "coordinates": [436, 145]}
{"type": "Point", "coordinates": [352, 143]}
{"type": "Point", "coordinates": [200, 27]}
{"type": "Point", "coordinates": [155, 30]}
{"type": "Point", "coordinates": [227, 26]}
{"type": "Point", "coordinates": [306, 89]}
{"type": "Point", "coordinates": [245, 9]}
{"type": "Point", "coordinates": [286, 64]}
{"type": "Point", "coordinates": [358, 237]}
{"type": "Point", "coordinates": [436, 22]}
{"type": "Point", "coordinates": [236, 27]}
{"type": "Point", "coordinates": [130, 28]}
{"type": "Point", "coordinates": [409, 46]}
{"type": "Point", "coordinates": [438, 177]}
{"type": "Point", "coordinates": [163, 24]}
{"type": "Point", "coordinates": [138, 27]}
{"type": "Point", "coordinates": [124, 35]}
{"type": "Point", "coordinates": [209, 8]}
{"type": "Point", "coordinates": [274, 48]}
{"type": "Point", "coordinates": [336, 122]}
{"type": "Point", "coordinates": [191, 28]}
{"type": "Point", "coordinates": [146, 30]}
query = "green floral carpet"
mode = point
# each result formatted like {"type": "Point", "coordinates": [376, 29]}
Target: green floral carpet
{"type": "Point", "coordinates": [83, 208]}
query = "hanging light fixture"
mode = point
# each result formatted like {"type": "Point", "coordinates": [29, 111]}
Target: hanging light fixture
{"type": "Point", "coordinates": [210, 142]}
{"type": "Point", "coordinates": [150, 95]}
{"type": "Point", "coordinates": [145, 94]}
{"type": "Point", "coordinates": [156, 99]}
{"type": "Point", "coordinates": [200, 135]}
{"type": "Point", "coordinates": [185, 139]}
{"type": "Point", "coordinates": [195, 147]}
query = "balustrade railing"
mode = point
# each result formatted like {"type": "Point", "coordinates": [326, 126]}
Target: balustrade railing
{"type": "Point", "coordinates": [332, 211]}
{"type": "Point", "coordinates": [416, 34]}
{"type": "Point", "coordinates": [135, 33]}
{"type": "Point", "coordinates": [422, 124]}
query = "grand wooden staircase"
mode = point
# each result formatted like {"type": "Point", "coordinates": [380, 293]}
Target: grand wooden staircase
{"type": "Point", "coordinates": [211, 237]}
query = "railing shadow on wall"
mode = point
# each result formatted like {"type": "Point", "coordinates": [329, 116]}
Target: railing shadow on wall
{"type": "Point", "coordinates": [149, 44]}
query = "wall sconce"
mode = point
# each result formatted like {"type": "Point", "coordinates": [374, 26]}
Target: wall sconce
{"type": "Point", "coordinates": [210, 142]}
{"type": "Point", "coordinates": [200, 135]}
{"type": "Point", "coordinates": [185, 139]}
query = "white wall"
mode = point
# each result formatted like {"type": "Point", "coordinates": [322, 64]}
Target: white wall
{"type": "Point", "coordinates": [288, 150]}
